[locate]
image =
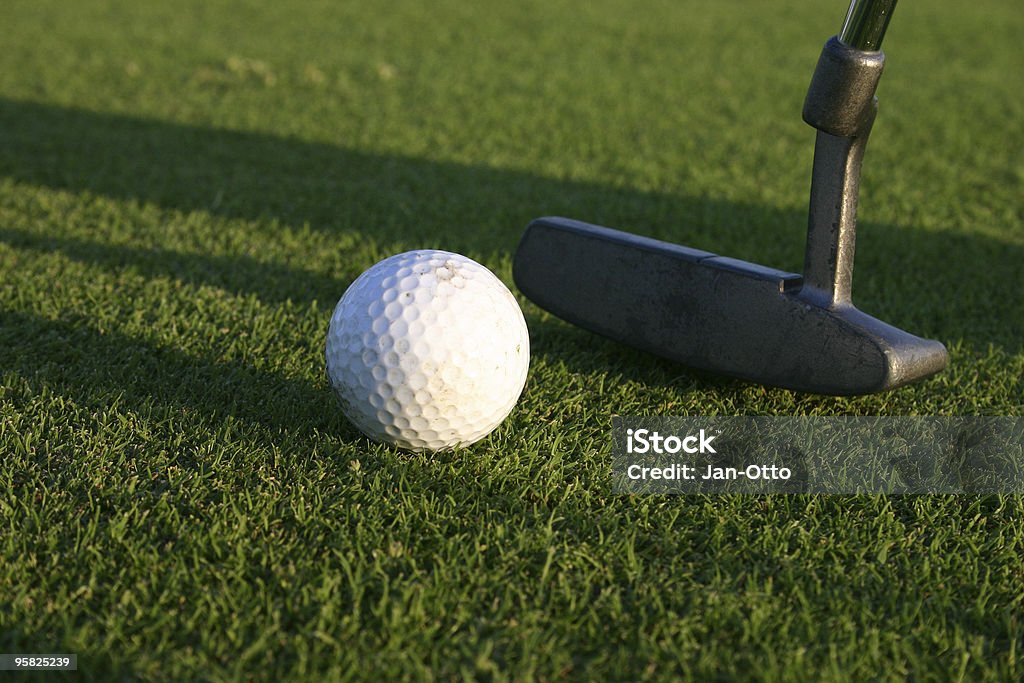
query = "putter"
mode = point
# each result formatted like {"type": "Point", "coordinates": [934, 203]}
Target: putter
{"type": "Point", "coordinates": [727, 316]}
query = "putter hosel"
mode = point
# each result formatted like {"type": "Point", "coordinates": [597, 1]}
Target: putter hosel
{"type": "Point", "coordinates": [841, 104]}
{"type": "Point", "coordinates": [841, 98]}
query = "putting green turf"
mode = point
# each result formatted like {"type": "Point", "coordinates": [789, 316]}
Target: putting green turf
{"type": "Point", "coordinates": [187, 188]}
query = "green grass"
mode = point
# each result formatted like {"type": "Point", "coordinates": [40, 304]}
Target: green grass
{"type": "Point", "coordinates": [187, 188]}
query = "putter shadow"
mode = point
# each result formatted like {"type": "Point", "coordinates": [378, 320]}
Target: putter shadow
{"type": "Point", "coordinates": [958, 283]}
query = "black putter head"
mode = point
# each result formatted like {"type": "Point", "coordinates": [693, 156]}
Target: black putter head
{"type": "Point", "coordinates": [714, 313]}
{"type": "Point", "coordinates": [737, 318]}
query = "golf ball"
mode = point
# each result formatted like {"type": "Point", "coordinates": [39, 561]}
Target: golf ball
{"type": "Point", "coordinates": [427, 350]}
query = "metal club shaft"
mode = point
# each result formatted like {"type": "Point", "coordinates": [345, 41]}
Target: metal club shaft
{"type": "Point", "coordinates": [866, 22]}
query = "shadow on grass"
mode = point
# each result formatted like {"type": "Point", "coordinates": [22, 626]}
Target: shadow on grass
{"type": "Point", "coordinates": [101, 368]}
{"type": "Point", "coordinates": [270, 282]}
{"type": "Point", "coordinates": [945, 285]}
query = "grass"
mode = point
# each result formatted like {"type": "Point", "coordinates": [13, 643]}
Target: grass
{"type": "Point", "coordinates": [187, 188]}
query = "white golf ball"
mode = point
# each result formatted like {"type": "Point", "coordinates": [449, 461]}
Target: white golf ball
{"type": "Point", "coordinates": [427, 350]}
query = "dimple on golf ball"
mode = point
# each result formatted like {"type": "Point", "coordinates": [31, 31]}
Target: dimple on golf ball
{"type": "Point", "coordinates": [427, 350]}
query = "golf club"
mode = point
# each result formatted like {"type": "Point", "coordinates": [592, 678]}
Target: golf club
{"type": "Point", "coordinates": [737, 318]}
